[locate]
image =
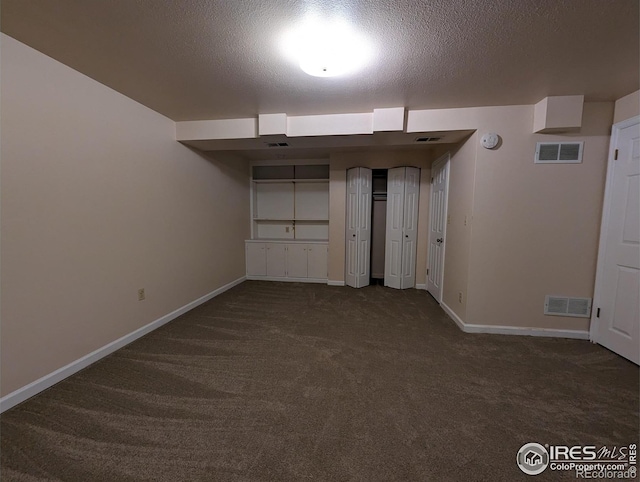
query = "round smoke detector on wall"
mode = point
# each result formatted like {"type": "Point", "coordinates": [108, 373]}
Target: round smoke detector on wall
{"type": "Point", "coordinates": [490, 140]}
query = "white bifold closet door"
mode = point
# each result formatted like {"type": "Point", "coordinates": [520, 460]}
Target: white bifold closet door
{"type": "Point", "coordinates": [358, 232]}
{"type": "Point", "coordinates": [403, 189]}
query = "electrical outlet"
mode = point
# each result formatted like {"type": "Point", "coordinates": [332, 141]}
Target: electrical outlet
{"type": "Point", "coordinates": [459, 296]}
{"type": "Point", "coordinates": [141, 295]}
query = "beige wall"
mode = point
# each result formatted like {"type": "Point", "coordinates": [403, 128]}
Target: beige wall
{"type": "Point", "coordinates": [534, 228]}
{"type": "Point", "coordinates": [339, 163]}
{"type": "Point", "coordinates": [627, 107]}
{"type": "Point", "coordinates": [98, 200]}
{"type": "Point", "coordinates": [462, 169]}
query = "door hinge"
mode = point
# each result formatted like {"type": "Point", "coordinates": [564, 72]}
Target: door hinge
{"type": "Point", "coordinates": [427, 272]}
{"type": "Point", "coordinates": [598, 313]}
{"type": "Point", "coordinates": [431, 180]}
{"type": "Point", "coordinates": [615, 155]}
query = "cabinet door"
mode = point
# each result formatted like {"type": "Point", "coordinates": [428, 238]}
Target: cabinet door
{"type": "Point", "coordinates": [276, 260]}
{"type": "Point", "coordinates": [317, 261]}
{"type": "Point", "coordinates": [256, 259]}
{"type": "Point", "coordinates": [297, 260]}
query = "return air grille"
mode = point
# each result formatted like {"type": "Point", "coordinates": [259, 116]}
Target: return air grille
{"type": "Point", "coordinates": [559, 152]}
{"type": "Point", "coordinates": [565, 306]}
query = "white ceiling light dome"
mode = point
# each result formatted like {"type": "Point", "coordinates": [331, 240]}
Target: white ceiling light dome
{"type": "Point", "coordinates": [327, 48]}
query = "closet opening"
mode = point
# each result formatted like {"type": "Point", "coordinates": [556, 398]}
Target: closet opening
{"type": "Point", "coordinates": [396, 226]}
{"type": "Point", "coordinates": [378, 224]}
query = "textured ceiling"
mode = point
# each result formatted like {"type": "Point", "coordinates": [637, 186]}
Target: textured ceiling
{"type": "Point", "coordinates": [207, 59]}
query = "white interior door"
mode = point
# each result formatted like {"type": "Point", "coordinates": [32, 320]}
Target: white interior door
{"type": "Point", "coordinates": [410, 227]}
{"type": "Point", "coordinates": [616, 323]}
{"type": "Point", "coordinates": [395, 223]}
{"type": "Point", "coordinates": [437, 226]}
{"type": "Point", "coordinates": [358, 228]}
{"type": "Point", "coordinates": [403, 191]}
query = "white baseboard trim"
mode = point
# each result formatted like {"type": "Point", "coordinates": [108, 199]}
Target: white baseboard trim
{"type": "Point", "coordinates": [33, 388]}
{"type": "Point", "coordinates": [421, 286]}
{"type": "Point", "coordinates": [335, 283]}
{"type": "Point", "coordinates": [461, 324]}
{"type": "Point", "coordinates": [514, 330]}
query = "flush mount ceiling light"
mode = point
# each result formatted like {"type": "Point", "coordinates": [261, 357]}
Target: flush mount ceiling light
{"type": "Point", "coordinates": [326, 48]}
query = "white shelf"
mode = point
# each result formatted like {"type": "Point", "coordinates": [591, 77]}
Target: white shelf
{"type": "Point", "coordinates": [287, 241]}
{"type": "Point", "coordinates": [271, 181]}
{"type": "Point", "coordinates": [273, 219]}
{"type": "Point", "coordinates": [299, 220]}
{"type": "Point", "coordinates": [291, 208]}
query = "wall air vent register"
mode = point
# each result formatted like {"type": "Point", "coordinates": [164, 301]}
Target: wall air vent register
{"type": "Point", "coordinates": [558, 152]}
{"type": "Point", "coordinates": [565, 306]}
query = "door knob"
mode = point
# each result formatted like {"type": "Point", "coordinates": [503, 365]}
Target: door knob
{"type": "Point", "coordinates": [406, 235]}
{"type": "Point", "coordinates": [353, 235]}
{"type": "Point", "coordinates": [439, 240]}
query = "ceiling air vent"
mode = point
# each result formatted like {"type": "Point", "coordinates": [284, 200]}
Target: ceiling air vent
{"type": "Point", "coordinates": [565, 306]}
{"type": "Point", "coordinates": [277, 144]}
{"type": "Point", "coordinates": [559, 152]}
{"type": "Point", "coordinates": [427, 139]}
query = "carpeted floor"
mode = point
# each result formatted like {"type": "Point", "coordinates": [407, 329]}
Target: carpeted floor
{"type": "Point", "coordinates": [293, 382]}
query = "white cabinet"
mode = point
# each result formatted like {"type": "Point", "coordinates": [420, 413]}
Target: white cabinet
{"type": "Point", "coordinates": [297, 260]}
{"type": "Point", "coordinates": [287, 261]}
{"type": "Point", "coordinates": [290, 223]}
{"type": "Point", "coordinates": [256, 259]}
{"type": "Point", "coordinates": [317, 261]}
{"type": "Point", "coordinates": [276, 260]}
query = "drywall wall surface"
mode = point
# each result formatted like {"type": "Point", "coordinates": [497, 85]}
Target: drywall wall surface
{"type": "Point", "coordinates": [535, 226]}
{"type": "Point", "coordinates": [339, 163]}
{"type": "Point", "coordinates": [627, 107]}
{"type": "Point", "coordinates": [462, 168]}
{"type": "Point", "coordinates": [98, 201]}
{"type": "Point", "coordinates": [561, 113]}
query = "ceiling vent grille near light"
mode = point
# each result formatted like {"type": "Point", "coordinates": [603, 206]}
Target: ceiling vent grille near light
{"type": "Point", "coordinates": [565, 306]}
{"type": "Point", "coordinates": [428, 139]}
{"type": "Point", "coordinates": [559, 152]}
{"type": "Point", "coordinates": [277, 144]}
